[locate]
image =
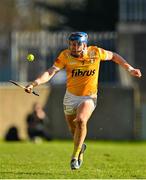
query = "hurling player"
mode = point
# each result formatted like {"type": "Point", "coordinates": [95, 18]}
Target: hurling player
{"type": "Point", "coordinates": [82, 64]}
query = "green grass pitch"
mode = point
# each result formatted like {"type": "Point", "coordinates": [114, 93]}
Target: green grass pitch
{"type": "Point", "coordinates": [50, 160]}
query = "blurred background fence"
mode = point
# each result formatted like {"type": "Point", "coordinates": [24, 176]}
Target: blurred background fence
{"type": "Point", "coordinates": [132, 11]}
{"type": "Point", "coordinates": [46, 46]}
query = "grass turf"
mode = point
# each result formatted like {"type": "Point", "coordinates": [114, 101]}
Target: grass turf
{"type": "Point", "coordinates": [50, 160]}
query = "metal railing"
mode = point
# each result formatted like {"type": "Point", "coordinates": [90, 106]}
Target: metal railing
{"type": "Point", "coordinates": [132, 10]}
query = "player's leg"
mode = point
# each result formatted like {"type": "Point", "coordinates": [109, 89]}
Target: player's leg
{"type": "Point", "coordinates": [77, 112]}
{"type": "Point", "coordinates": [70, 119]}
{"type": "Point", "coordinates": [84, 112]}
{"type": "Point", "coordinates": [77, 124]}
{"type": "Point", "coordinates": [80, 158]}
{"type": "Point", "coordinates": [70, 122]}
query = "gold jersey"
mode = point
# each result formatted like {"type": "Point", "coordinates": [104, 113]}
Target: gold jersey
{"type": "Point", "coordinates": [82, 73]}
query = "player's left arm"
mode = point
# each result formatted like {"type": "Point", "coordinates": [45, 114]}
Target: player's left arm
{"type": "Point", "coordinates": [121, 61]}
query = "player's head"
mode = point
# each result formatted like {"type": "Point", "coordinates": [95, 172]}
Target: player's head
{"type": "Point", "coordinates": [78, 43]}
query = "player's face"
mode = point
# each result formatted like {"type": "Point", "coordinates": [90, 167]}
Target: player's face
{"type": "Point", "coordinates": [76, 48]}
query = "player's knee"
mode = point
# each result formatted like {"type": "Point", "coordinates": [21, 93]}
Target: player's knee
{"type": "Point", "coordinates": [80, 122]}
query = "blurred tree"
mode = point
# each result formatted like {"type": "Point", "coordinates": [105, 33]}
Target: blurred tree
{"type": "Point", "coordinates": [93, 15]}
{"type": "Point", "coordinates": [6, 14]}
{"type": "Point", "coordinates": [17, 15]}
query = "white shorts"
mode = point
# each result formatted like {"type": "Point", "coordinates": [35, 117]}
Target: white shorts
{"type": "Point", "coordinates": [71, 102]}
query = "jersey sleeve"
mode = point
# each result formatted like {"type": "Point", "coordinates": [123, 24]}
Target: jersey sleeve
{"type": "Point", "coordinates": [60, 61]}
{"type": "Point", "coordinates": [105, 55]}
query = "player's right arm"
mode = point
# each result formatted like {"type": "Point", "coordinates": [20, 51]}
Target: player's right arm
{"type": "Point", "coordinates": [45, 77]}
